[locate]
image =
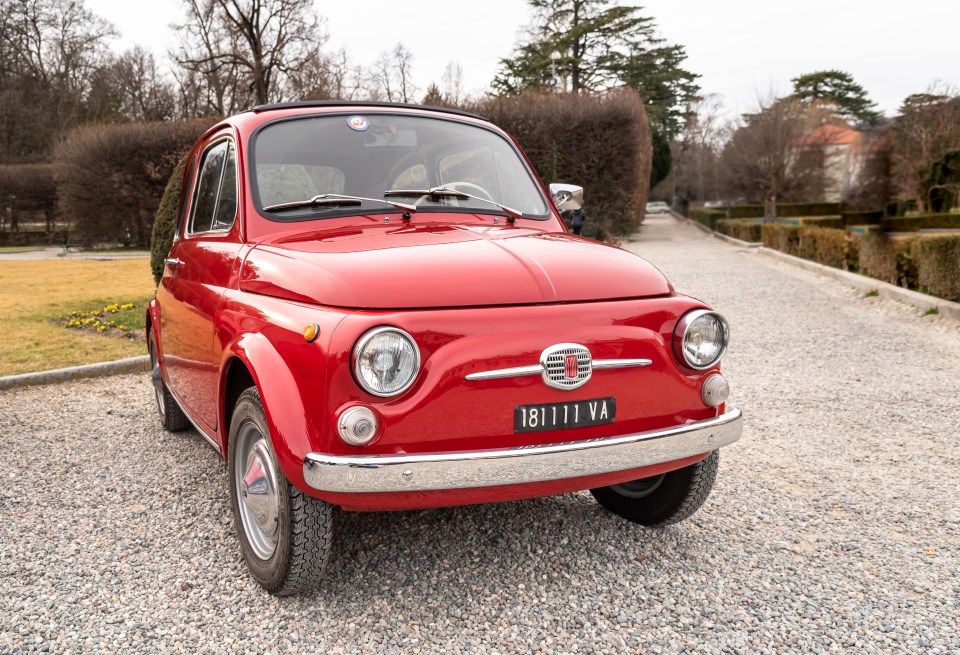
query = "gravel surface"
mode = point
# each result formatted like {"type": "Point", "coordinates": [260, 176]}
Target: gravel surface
{"type": "Point", "coordinates": [834, 525]}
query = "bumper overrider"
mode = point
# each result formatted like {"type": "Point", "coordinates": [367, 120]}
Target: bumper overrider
{"type": "Point", "coordinates": [509, 466]}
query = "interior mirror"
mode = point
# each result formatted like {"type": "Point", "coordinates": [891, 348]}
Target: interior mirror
{"type": "Point", "coordinates": [566, 196]}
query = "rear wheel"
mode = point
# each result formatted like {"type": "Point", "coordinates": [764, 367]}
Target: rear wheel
{"type": "Point", "coordinates": [285, 535]}
{"type": "Point", "coordinates": [171, 416]}
{"type": "Point", "coordinates": [662, 499]}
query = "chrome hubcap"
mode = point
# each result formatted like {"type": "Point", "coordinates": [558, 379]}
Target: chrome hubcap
{"type": "Point", "coordinates": [639, 488]}
{"type": "Point", "coordinates": [256, 483]}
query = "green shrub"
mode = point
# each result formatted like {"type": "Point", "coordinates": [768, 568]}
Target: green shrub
{"type": "Point", "coordinates": [708, 217]}
{"type": "Point", "coordinates": [600, 142]}
{"type": "Point", "coordinates": [861, 217]}
{"type": "Point", "coordinates": [33, 189]}
{"type": "Point", "coordinates": [938, 265]}
{"type": "Point", "coordinates": [788, 210]}
{"type": "Point", "coordinates": [746, 211]}
{"type": "Point", "coordinates": [888, 258]}
{"type": "Point", "coordinates": [902, 224]}
{"type": "Point", "coordinates": [740, 228]}
{"type": "Point", "coordinates": [828, 246]}
{"type": "Point", "coordinates": [165, 222]}
{"type": "Point", "coordinates": [110, 178]}
{"type": "Point", "coordinates": [785, 238]}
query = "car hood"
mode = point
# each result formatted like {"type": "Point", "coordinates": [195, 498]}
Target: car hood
{"type": "Point", "coordinates": [431, 265]}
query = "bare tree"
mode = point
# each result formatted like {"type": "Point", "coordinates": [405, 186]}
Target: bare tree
{"type": "Point", "coordinates": [926, 130]}
{"type": "Point", "coordinates": [452, 79]}
{"type": "Point", "coordinates": [52, 53]}
{"type": "Point", "coordinates": [248, 50]}
{"type": "Point", "coordinates": [765, 159]}
{"type": "Point", "coordinates": [696, 157]}
{"type": "Point", "coordinates": [147, 95]}
{"type": "Point", "coordinates": [391, 78]}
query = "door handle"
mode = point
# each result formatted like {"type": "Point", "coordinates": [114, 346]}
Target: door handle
{"type": "Point", "coordinates": [172, 262]}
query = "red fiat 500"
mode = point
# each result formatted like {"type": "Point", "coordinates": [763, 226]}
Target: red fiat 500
{"type": "Point", "coordinates": [378, 307]}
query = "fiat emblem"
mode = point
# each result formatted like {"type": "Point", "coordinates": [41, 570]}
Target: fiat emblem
{"type": "Point", "coordinates": [566, 366]}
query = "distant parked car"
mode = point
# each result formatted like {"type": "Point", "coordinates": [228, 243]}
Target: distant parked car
{"type": "Point", "coordinates": [658, 207]}
{"type": "Point", "coordinates": [378, 307]}
{"type": "Point", "coordinates": [714, 204]}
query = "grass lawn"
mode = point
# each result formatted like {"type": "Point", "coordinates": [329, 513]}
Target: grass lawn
{"type": "Point", "coordinates": [38, 300]}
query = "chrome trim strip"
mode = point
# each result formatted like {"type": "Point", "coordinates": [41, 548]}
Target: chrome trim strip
{"type": "Point", "coordinates": [599, 364]}
{"type": "Point", "coordinates": [490, 468]}
{"type": "Point", "coordinates": [537, 369]}
{"type": "Point", "coordinates": [517, 372]}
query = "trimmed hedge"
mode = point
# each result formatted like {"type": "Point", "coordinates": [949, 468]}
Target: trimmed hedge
{"type": "Point", "coordinates": [921, 222]}
{"type": "Point", "coordinates": [938, 265]}
{"type": "Point", "coordinates": [787, 210]}
{"type": "Point", "coordinates": [785, 238]}
{"type": "Point", "coordinates": [708, 217]}
{"type": "Point", "coordinates": [888, 258]}
{"type": "Point", "coordinates": [740, 228]}
{"type": "Point", "coordinates": [861, 217]}
{"type": "Point", "coordinates": [111, 177]}
{"type": "Point", "coordinates": [828, 246]}
{"type": "Point", "coordinates": [34, 188]}
{"type": "Point", "coordinates": [599, 141]}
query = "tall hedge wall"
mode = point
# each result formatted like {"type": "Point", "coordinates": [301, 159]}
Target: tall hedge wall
{"type": "Point", "coordinates": [601, 142]}
{"type": "Point", "coordinates": [111, 177]}
{"type": "Point", "coordinates": [29, 189]}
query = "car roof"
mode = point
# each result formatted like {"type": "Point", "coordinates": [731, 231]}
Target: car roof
{"type": "Point", "coordinates": [362, 103]}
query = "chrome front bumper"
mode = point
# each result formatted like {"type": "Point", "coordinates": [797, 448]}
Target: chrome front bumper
{"type": "Point", "coordinates": [492, 468]}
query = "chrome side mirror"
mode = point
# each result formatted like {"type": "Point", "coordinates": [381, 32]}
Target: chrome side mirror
{"type": "Point", "coordinates": [566, 196]}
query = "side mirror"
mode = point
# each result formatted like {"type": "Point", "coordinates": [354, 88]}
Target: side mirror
{"type": "Point", "coordinates": [566, 196]}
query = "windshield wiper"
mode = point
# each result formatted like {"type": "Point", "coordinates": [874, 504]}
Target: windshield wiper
{"type": "Point", "coordinates": [334, 199]}
{"type": "Point", "coordinates": [446, 192]}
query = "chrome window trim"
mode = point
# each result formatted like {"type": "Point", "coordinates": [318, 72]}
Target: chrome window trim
{"type": "Point", "coordinates": [189, 231]}
{"type": "Point", "coordinates": [510, 466]}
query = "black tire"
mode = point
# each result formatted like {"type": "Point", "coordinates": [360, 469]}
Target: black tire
{"type": "Point", "coordinates": [298, 527]}
{"type": "Point", "coordinates": [663, 499]}
{"type": "Point", "coordinates": [172, 417]}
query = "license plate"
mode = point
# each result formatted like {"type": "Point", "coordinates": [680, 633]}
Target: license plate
{"type": "Point", "coordinates": [561, 416]}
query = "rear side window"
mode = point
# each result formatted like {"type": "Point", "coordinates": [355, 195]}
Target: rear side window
{"type": "Point", "coordinates": [215, 201]}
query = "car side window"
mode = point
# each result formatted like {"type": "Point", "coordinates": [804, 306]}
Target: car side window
{"type": "Point", "coordinates": [215, 201]}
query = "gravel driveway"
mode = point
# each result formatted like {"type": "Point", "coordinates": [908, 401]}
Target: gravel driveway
{"type": "Point", "coordinates": [834, 526]}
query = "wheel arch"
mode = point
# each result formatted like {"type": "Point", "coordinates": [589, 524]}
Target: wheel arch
{"type": "Point", "coordinates": [252, 360]}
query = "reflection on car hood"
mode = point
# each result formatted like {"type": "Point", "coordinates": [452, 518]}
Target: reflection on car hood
{"type": "Point", "coordinates": [435, 265]}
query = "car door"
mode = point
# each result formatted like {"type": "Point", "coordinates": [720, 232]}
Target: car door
{"type": "Point", "coordinates": [200, 266]}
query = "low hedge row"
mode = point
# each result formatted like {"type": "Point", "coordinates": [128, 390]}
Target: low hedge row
{"type": "Point", "coordinates": [921, 222]}
{"type": "Point", "coordinates": [744, 229]}
{"type": "Point", "coordinates": [927, 262]}
{"type": "Point", "coordinates": [708, 217]}
{"type": "Point", "coordinates": [787, 209]}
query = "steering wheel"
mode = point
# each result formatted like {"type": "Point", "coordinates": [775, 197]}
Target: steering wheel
{"type": "Point", "coordinates": [471, 188]}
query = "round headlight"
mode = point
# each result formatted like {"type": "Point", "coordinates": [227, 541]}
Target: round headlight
{"type": "Point", "coordinates": [385, 361]}
{"type": "Point", "coordinates": [701, 338]}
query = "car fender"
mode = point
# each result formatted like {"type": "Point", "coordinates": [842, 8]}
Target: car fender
{"type": "Point", "coordinates": [281, 397]}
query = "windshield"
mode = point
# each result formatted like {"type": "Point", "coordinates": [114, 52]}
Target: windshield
{"type": "Point", "coordinates": [367, 155]}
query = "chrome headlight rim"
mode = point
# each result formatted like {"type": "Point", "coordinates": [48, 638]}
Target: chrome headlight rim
{"type": "Point", "coordinates": [365, 339]}
{"type": "Point", "coordinates": [681, 333]}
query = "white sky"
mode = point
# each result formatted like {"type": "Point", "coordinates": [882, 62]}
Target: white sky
{"type": "Point", "coordinates": [743, 49]}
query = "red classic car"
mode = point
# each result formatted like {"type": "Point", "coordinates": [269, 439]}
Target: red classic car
{"type": "Point", "coordinates": [377, 307]}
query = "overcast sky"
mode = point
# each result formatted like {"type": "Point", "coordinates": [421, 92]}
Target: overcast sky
{"type": "Point", "coordinates": [742, 49]}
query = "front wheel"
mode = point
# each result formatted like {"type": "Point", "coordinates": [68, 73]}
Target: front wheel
{"type": "Point", "coordinates": [285, 535]}
{"type": "Point", "coordinates": [662, 499]}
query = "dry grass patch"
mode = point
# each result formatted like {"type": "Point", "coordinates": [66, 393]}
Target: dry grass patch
{"type": "Point", "coordinates": [35, 295]}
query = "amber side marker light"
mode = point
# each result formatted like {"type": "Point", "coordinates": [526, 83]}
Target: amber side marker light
{"type": "Point", "coordinates": [311, 332]}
